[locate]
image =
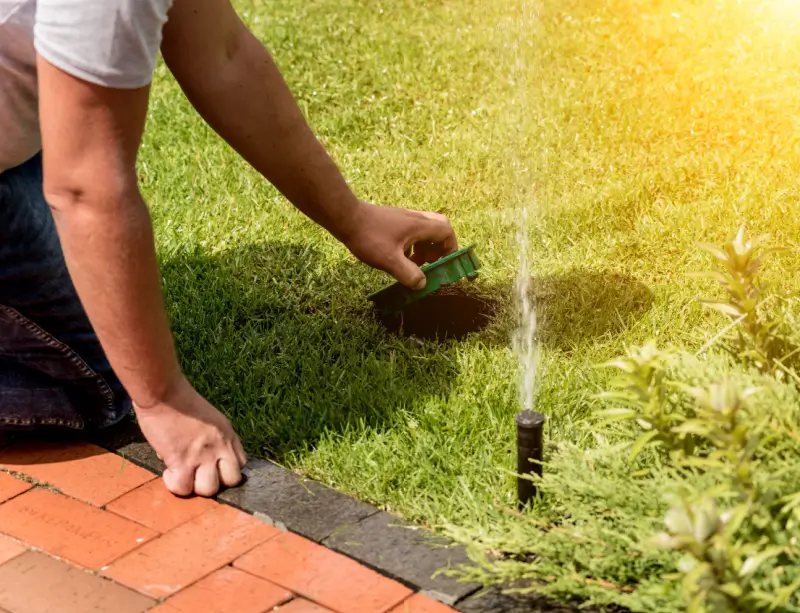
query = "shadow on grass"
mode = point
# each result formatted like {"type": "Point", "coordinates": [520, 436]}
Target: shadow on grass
{"type": "Point", "coordinates": [582, 305]}
{"type": "Point", "coordinates": [496, 600]}
{"type": "Point", "coordinates": [572, 308]}
{"type": "Point", "coordinates": [289, 350]}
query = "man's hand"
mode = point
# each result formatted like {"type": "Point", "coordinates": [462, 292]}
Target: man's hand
{"type": "Point", "coordinates": [195, 441]}
{"type": "Point", "coordinates": [397, 241]}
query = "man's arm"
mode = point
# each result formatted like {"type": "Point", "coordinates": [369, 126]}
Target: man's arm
{"type": "Point", "coordinates": [232, 81]}
{"type": "Point", "coordinates": [90, 137]}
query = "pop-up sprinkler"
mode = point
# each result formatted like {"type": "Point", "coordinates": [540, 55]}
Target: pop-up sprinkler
{"type": "Point", "coordinates": [530, 425]}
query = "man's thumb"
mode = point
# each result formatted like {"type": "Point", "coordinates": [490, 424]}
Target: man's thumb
{"type": "Point", "coordinates": [408, 273]}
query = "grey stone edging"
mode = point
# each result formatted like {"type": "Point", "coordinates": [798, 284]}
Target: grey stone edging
{"type": "Point", "coordinates": [292, 503]}
{"type": "Point", "coordinates": [409, 553]}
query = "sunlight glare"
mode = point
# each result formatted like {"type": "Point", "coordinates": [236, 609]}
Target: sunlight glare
{"type": "Point", "coordinates": [785, 9]}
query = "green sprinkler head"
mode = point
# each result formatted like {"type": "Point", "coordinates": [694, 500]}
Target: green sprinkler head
{"type": "Point", "coordinates": [449, 269]}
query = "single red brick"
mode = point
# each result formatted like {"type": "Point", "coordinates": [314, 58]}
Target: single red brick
{"type": "Point", "coordinates": [419, 603]}
{"type": "Point", "coordinates": [80, 470]}
{"type": "Point", "coordinates": [36, 583]}
{"type": "Point", "coordinates": [322, 575]}
{"type": "Point", "coordinates": [190, 551]}
{"type": "Point", "coordinates": [154, 506]}
{"type": "Point", "coordinates": [70, 529]}
{"type": "Point", "coordinates": [9, 549]}
{"type": "Point", "coordinates": [226, 590]}
{"type": "Point", "coordinates": [10, 486]}
{"type": "Point", "coordinates": [301, 606]}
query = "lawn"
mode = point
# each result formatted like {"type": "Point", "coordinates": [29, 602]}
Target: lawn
{"type": "Point", "coordinates": [630, 130]}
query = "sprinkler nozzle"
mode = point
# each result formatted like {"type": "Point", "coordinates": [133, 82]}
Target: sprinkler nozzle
{"type": "Point", "coordinates": [530, 426]}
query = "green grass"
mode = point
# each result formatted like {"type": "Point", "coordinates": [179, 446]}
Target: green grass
{"type": "Point", "coordinates": [630, 130]}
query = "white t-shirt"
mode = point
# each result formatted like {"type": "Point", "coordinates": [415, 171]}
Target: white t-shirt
{"type": "Point", "coordinates": [113, 43]}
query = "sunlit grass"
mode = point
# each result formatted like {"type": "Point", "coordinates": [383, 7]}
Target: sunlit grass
{"type": "Point", "coordinates": [631, 130]}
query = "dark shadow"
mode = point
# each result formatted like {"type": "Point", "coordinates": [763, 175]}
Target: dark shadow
{"type": "Point", "coordinates": [581, 305]}
{"type": "Point", "coordinates": [52, 444]}
{"type": "Point", "coordinates": [25, 448]}
{"type": "Point", "coordinates": [572, 308]}
{"type": "Point", "coordinates": [290, 348]}
{"type": "Point", "coordinates": [448, 314]}
{"type": "Point", "coordinates": [496, 600]}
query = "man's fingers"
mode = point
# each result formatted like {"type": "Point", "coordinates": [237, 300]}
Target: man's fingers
{"type": "Point", "coordinates": [206, 480]}
{"type": "Point", "coordinates": [230, 474]}
{"type": "Point", "coordinates": [179, 481]}
{"type": "Point", "coordinates": [408, 273]}
{"type": "Point", "coordinates": [434, 239]}
{"type": "Point", "coordinates": [240, 453]}
{"type": "Point", "coordinates": [436, 229]}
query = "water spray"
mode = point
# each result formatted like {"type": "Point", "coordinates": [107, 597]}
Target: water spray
{"type": "Point", "coordinates": [530, 424]}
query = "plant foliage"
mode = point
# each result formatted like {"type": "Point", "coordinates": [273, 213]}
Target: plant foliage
{"type": "Point", "coordinates": [691, 500]}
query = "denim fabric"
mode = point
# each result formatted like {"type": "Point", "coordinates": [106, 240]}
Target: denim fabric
{"type": "Point", "coordinates": [53, 371]}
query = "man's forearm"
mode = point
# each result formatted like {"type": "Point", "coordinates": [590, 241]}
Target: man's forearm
{"type": "Point", "coordinates": [111, 258]}
{"type": "Point", "coordinates": [90, 136]}
{"type": "Point", "coordinates": [246, 100]}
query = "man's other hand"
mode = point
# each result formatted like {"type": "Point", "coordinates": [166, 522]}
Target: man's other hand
{"type": "Point", "coordinates": [194, 440]}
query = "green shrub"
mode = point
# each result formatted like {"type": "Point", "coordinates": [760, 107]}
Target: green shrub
{"type": "Point", "coordinates": [690, 499]}
{"type": "Point", "coordinates": [759, 338]}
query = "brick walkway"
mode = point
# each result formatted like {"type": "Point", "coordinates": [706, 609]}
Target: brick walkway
{"type": "Point", "coordinates": [85, 531]}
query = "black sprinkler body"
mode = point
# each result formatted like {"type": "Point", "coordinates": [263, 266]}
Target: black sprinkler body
{"type": "Point", "coordinates": [530, 426]}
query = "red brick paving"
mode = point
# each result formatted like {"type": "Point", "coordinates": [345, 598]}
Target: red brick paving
{"type": "Point", "coordinates": [80, 470]}
{"type": "Point", "coordinates": [323, 576]}
{"type": "Point", "coordinates": [153, 505]}
{"type": "Point", "coordinates": [9, 548]}
{"type": "Point", "coordinates": [298, 605]}
{"type": "Point", "coordinates": [70, 529]}
{"type": "Point", "coordinates": [36, 583]}
{"type": "Point", "coordinates": [159, 553]}
{"type": "Point", "coordinates": [10, 487]}
{"type": "Point", "coordinates": [226, 590]}
{"type": "Point", "coordinates": [190, 552]}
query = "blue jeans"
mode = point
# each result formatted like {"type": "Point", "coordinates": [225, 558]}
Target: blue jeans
{"type": "Point", "coordinates": [53, 372]}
